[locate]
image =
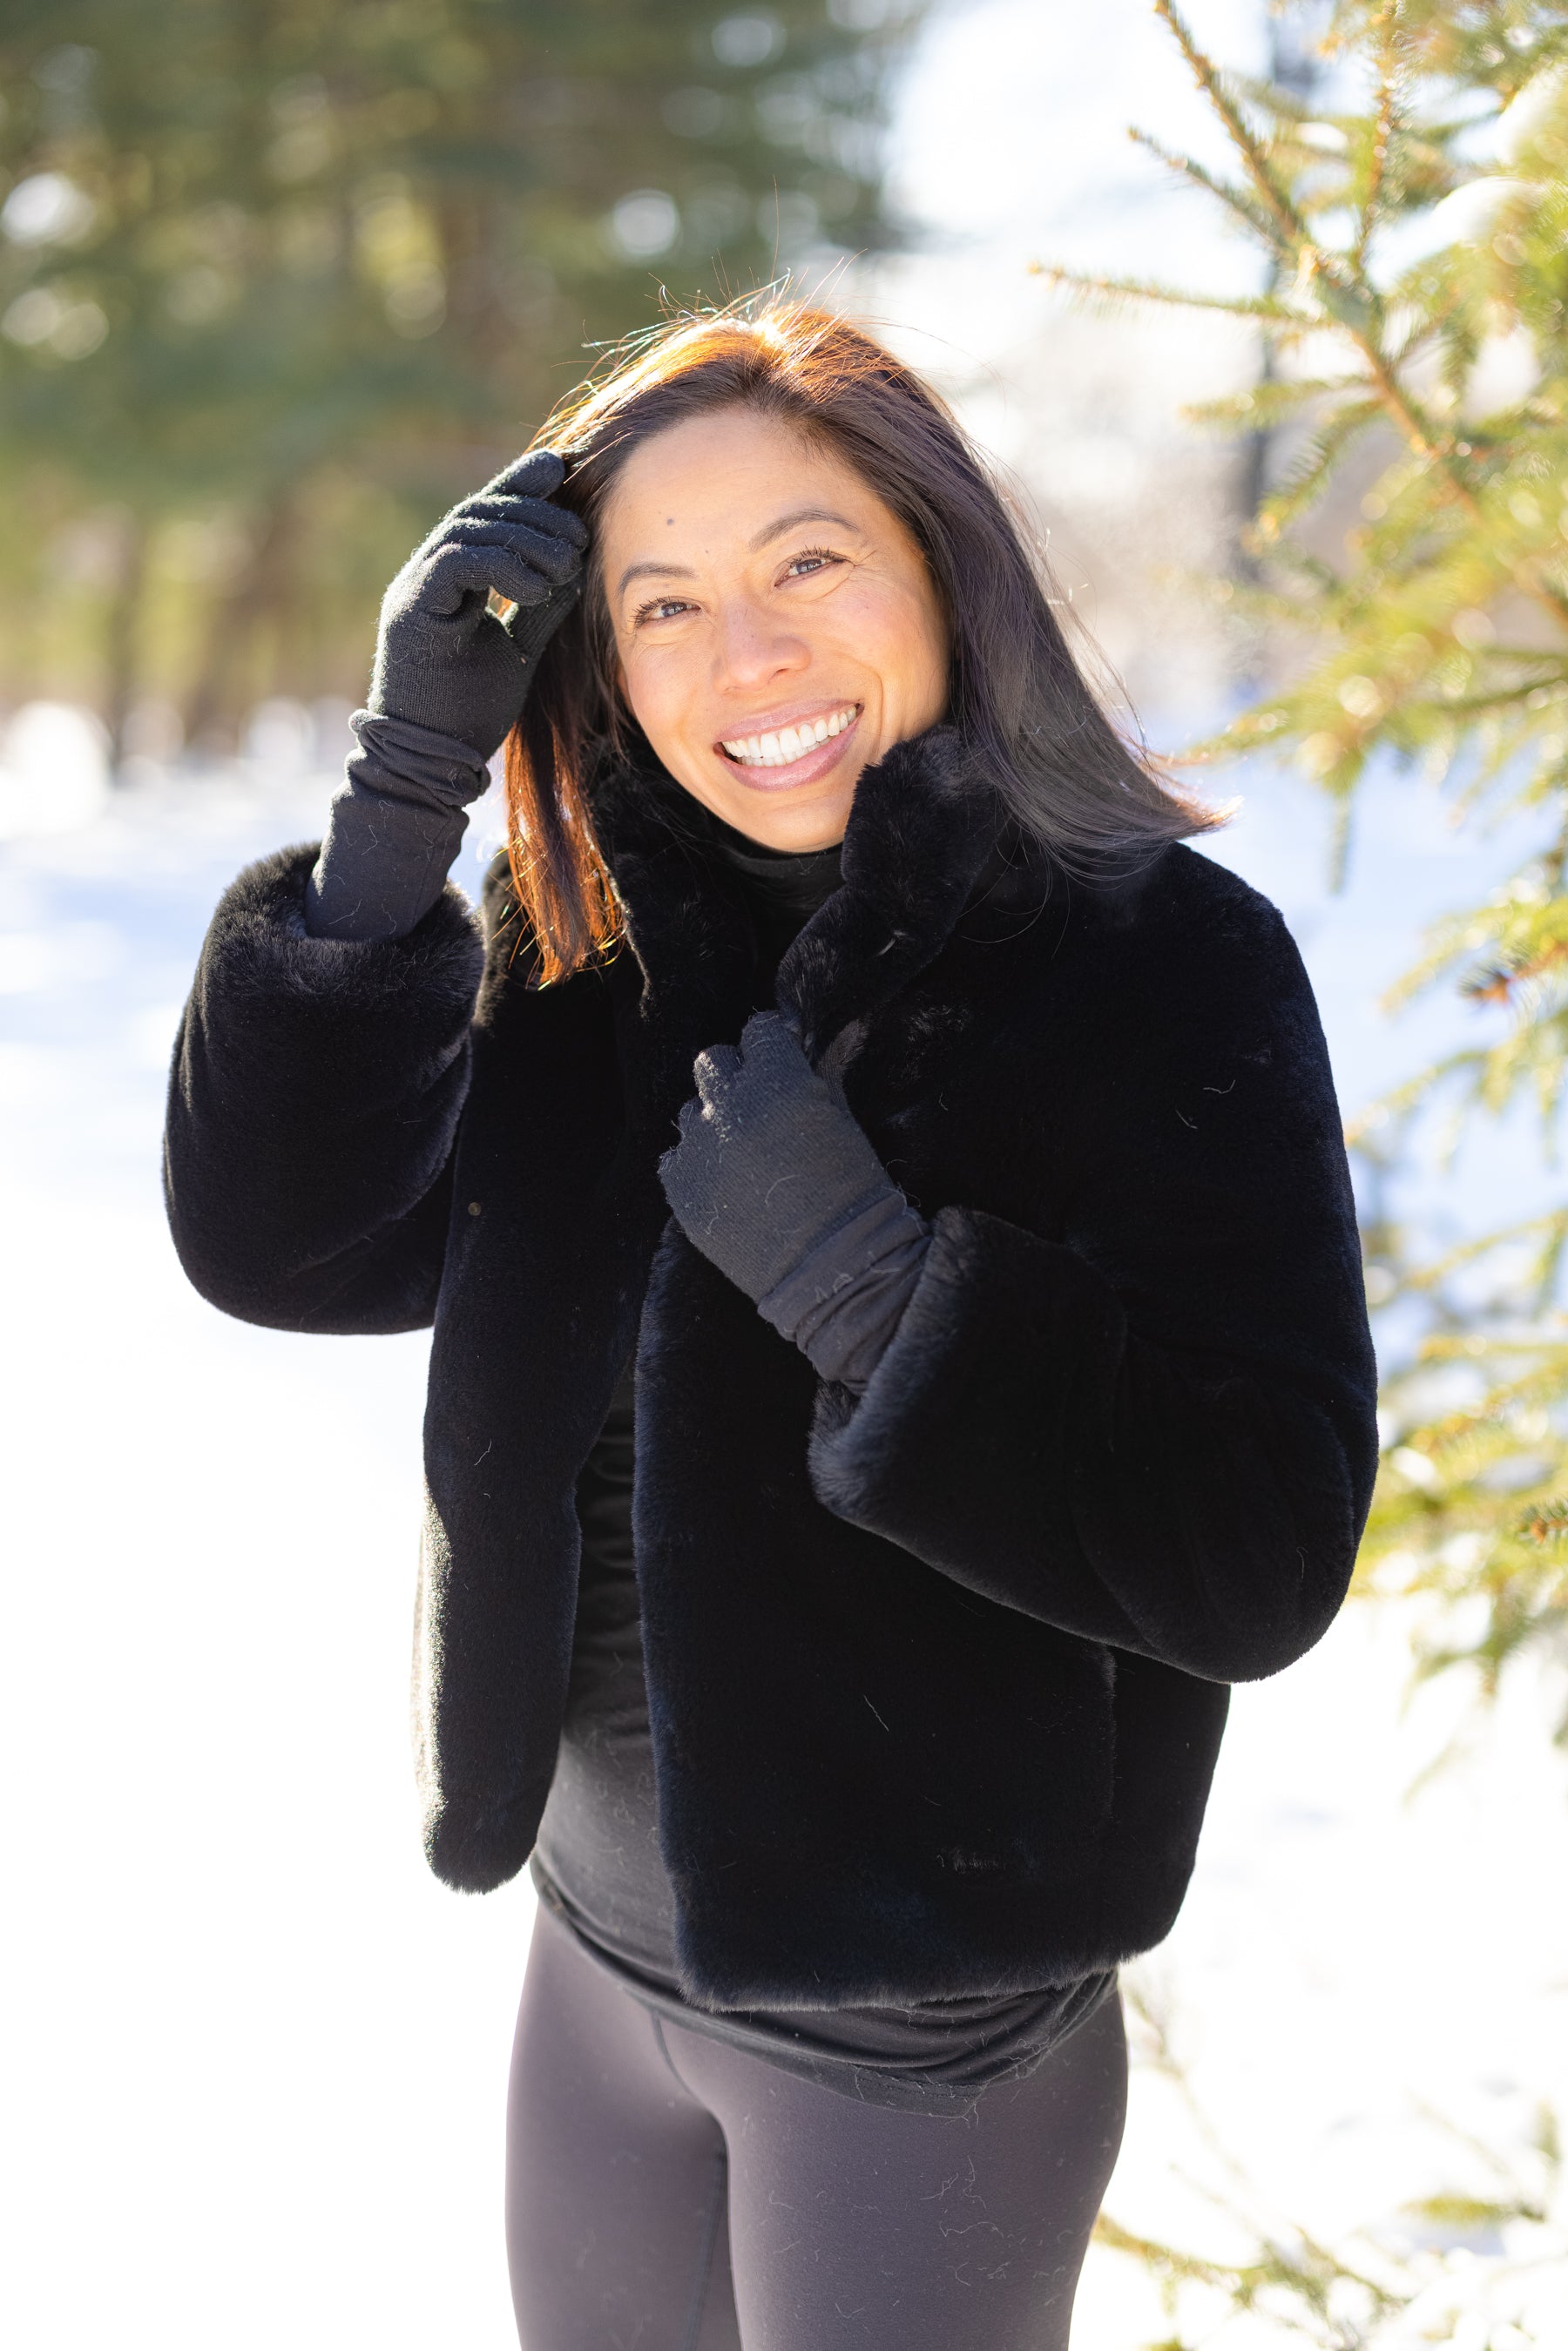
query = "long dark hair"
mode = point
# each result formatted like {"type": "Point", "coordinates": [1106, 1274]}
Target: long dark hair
{"type": "Point", "coordinates": [1060, 768]}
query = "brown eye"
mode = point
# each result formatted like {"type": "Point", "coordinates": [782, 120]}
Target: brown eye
{"type": "Point", "coordinates": [812, 559]}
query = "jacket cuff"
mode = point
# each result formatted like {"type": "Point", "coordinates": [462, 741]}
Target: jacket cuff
{"type": "Point", "coordinates": [314, 1094]}
{"type": "Point", "coordinates": [261, 939]}
{"type": "Point", "coordinates": [1194, 1506]}
{"type": "Point", "coordinates": [969, 1441]}
{"type": "Point", "coordinates": [976, 1310]}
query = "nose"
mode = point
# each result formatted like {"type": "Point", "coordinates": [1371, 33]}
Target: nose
{"type": "Point", "coordinates": [753, 648]}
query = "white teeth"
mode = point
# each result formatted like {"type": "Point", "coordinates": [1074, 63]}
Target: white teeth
{"type": "Point", "coordinates": [790, 743]}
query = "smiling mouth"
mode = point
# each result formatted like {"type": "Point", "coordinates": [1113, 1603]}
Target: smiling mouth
{"type": "Point", "coordinates": [790, 743]}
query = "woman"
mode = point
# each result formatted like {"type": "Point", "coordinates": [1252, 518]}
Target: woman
{"type": "Point", "coordinates": [861, 1096]}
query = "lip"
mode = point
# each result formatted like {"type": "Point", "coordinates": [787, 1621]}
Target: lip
{"type": "Point", "coordinates": [810, 765]}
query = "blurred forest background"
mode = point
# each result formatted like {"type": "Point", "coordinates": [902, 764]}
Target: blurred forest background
{"type": "Point", "coordinates": [1284, 388]}
{"type": "Point", "coordinates": [279, 282]}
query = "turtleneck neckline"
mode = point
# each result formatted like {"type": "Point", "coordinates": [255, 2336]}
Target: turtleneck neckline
{"type": "Point", "coordinates": [797, 881]}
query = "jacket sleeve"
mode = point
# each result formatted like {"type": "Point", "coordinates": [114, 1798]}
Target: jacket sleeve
{"type": "Point", "coordinates": [1154, 1425]}
{"type": "Point", "coordinates": [313, 1097]}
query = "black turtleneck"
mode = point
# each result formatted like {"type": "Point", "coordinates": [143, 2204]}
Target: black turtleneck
{"type": "Point", "coordinates": [783, 887]}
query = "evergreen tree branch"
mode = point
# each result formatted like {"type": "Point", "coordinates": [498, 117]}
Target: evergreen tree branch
{"type": "Point", "coordinates": [1382, 132]}
{"type": "Point", "coordinates": [1250, 212]}
{"type": "Point", "coordinates": [1113, 291]}
{"type": "Point", "coordinates": [1291, 229]}
{"type": "Point", "coordinates": [1269, 403]}
{"type": "Point", "coordinates": [1344, 290]}
{"type": "Point", "coordinates": [1309, 478]}
{"type": "Point", "coordinates": [1437, 634]}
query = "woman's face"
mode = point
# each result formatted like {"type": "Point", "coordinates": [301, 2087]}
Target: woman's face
{"type": "Point", "coordinates": [775, 626]}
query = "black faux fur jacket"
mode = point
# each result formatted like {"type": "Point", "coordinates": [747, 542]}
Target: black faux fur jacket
{"type": "Point", "coordinates": [937, 1677]}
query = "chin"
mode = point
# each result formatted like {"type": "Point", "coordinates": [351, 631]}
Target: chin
{"type": "Point", "coordinates": [815, 820]}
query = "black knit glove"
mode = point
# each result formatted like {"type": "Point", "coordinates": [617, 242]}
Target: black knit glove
{"type": "Point", "coordinates": [775, 1182]}
{"type": "Point", "coordinates": [442, 661]}
{"type": "Point", "coordinates": [395, 825]}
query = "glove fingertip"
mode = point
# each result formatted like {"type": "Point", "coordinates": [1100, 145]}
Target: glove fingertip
{"type": "Point", "coordinates": [538, 473]}
{"type": "Point", "coordinates": [718, 1065]}
{"type": "Point", "coordinates": [548, 469]}
{"type": "Point", "coordinates": [771, 1032]}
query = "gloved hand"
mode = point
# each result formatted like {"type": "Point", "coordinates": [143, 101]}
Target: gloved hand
{"type": "Point", "coordinates": [770, 1158]}
{"type": "Point", "coordinates": [442, 661]}
{"type": "Point", "coordinates": [776, 1183]}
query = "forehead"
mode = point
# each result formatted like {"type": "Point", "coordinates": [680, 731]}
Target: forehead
{"type": "Point", "coordinates": [721, 477]}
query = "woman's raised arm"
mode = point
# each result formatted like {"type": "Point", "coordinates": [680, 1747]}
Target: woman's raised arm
{"type": "Point", "coordinates": [323, 1058]}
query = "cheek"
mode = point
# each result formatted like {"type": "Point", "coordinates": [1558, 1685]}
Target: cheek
{"type": "Point", "coordinates": [648, 683]}
{"type": "Point", "coordinates": [663, 687]}
{"type": "Point", "coordinates": [893, 630]}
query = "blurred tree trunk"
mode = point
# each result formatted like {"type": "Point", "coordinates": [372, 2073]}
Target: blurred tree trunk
{"type": "Point", "coordinates": [257, 595]}
{"type": "Point", "coordinates": [122, 638]}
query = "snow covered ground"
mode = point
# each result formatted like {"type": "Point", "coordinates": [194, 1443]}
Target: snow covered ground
{"type": "Point", "coordinates": [254, 2055]}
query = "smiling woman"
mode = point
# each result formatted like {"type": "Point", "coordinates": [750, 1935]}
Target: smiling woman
{"type": "Point", "coordinates": [788, 531]}
{"type": "Point", "coordinates": [899, 1344]}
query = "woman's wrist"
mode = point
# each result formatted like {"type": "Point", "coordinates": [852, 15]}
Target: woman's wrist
{"type": "Point", "coordinates": [395, 826]}
{"type": "Point", "coordinates": [841, 1303]}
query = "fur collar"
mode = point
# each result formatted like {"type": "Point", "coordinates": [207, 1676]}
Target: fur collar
{"type": "Point", "coordinates": [925, 839]}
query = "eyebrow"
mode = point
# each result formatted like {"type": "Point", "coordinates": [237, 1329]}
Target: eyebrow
{"type": "Point", "coordinates": [771, 531]}
{"type": "Point", "coordinates": [653, 571]}
{"type": "Point", "coordinates": [792, 522]}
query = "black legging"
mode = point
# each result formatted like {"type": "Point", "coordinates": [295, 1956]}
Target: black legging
{"type": "Point", "coordinates": [668, 2192]}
